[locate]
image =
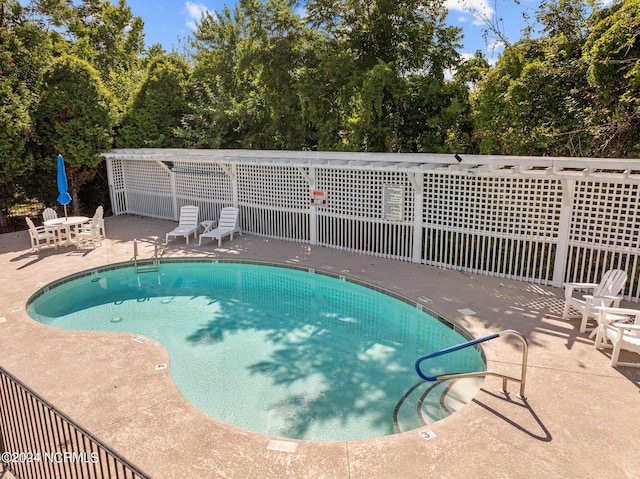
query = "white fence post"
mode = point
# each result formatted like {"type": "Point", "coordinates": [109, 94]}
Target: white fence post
{"type": "Point", "coordinates": [417, 181]}
{"type": "Point", "coordinates": [564, 227]}
{"type": "Point", "coordinates": [174, 195]}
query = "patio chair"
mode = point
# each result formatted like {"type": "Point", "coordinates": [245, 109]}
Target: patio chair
{"type": "Point", "coordinates": [40, 236]}
{"type": "Point", "coordinates": [49, 214]}
{"type": "Point", "coordinates": [91, 231]}
{"type": "Point", "coordinates": [62, 234]}
{"type": "Point", "coordinates": [621, 326]}
{"type": "Point", "coordinates": [605, 293]}
{"type": "Point", "coordinates": [187, 224]}
{"type": "Point", "coordinates": [227, 226]}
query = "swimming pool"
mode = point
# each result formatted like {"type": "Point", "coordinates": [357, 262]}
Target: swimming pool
{"type": "Point", "coordinates": [271, 349]}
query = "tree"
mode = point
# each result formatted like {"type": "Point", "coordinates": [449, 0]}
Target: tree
{"type": "Point", "coordinates": [245, 89]}
{"type": "Point", "coordinates": [407, 35]}
{"type": "Point", "coordinates": [111, 39]}
{"type": "Point", "coordinates": [394, 46]}
{"type": "Point", "coordinates": [612, 50]}
{"type": "Point", "coordinates": [15, 100]}
{"type": "Point", "coordinates": [158, 106]}
{"type": "Point", "coordinates": [75, 118]}
{"type": "Point", "coordinates": [24, 51]}
{"type": "Point", "coordinates": [533, 101]}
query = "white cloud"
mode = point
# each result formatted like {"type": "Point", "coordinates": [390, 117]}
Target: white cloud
{"type": "Point", "coordinates": [194, 13]}
{"type": "Point", "coordinates": [479, 10]}
{"type": "Point", "coordinates": [495, 45]}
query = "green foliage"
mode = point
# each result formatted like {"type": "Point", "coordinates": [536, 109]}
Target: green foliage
{"type": "Point", "coordinates": [409, 35]}
{"type": "Point", "coordinates": [15, 101]}
{"type": "Point", "coordinates": [533, 101]}
{"type": "Point", "coordinates": [358, 75]}
{"type": "Point", "coordinates": [247, 67]}
{"type": "Point", "coordinates": [75, 118]}
{"type": "Point", "coordinates": [111, 39]}
{"type": "Point", "coordinates": [158, 106]}
{"type": "Point", "coordinates": [573, 92]}
{"type": "Point", "coordinates": [264, 79]}
{"type": "Point", "coordinates": [396, 47]}
{"type": "Point", "coordinates": [612, 50]}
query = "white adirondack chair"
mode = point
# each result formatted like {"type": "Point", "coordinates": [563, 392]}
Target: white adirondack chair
{"type": "Point", "coordinates": [40, 236]}
{"type": "Point", "coordinates": [605, 293]}
{"type": "Point", "coordinates": [620, 326]}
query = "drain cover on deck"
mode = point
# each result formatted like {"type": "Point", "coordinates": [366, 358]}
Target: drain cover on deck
{"type": "Point", "coordinates": [282, 446]}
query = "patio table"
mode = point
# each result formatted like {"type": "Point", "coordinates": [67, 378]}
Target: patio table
{"type": "Point", "coordinates": [66, 227]}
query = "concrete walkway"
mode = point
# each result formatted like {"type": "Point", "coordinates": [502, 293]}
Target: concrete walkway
{"type": "Point", "coordinates": [581, 418]}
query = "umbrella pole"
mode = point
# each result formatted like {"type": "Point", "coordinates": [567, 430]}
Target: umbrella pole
{"type": "Point", "coordinates": [65, 212]}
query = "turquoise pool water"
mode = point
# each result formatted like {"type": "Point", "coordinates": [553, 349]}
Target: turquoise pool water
{"type": "Point", "coordinates": [269, 349]}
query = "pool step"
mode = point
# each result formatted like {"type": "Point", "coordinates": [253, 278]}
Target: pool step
{"type": "Point", "coordinates": [428, 402]}
{"type": "Point", "coordinates": [147, 268]}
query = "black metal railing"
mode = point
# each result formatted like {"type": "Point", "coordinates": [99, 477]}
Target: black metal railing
{"type": "Point", "coordinates": [39, 442]}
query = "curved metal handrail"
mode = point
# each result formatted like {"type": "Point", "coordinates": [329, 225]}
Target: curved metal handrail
{"type": "Point", "coordinates": [505, 378]}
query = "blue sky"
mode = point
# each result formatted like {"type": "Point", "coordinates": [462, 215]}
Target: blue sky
{"type": "Point", "coordinates": [166, 21]}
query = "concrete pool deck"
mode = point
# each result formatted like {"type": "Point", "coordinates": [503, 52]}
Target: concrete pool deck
{"type": "Point", "coordinates": [581, 417]}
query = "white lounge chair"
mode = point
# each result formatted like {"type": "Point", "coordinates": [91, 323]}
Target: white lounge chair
{"type": "Point", "coordinates": [621, 326]}
{"type": "Point", "coordinates": [605, 293]}
{"type": "Point", "coordinates": [187, 224]}
{"type": "Point", "coordinates": [40, 236]}
{"type": "Point", "coordinates": [227, 226]}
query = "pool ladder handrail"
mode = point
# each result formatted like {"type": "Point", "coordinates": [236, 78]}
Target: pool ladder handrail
{"type": "Point", "coordinates": [154, 259]}
{"type": "Point", "coordinates": [473, 342]}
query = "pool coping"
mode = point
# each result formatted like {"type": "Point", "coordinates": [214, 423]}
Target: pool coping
{"type": "Point", "coordinates": [575, 398]}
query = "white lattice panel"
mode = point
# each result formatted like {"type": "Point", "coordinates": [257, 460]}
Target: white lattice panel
{"type": "Point", "coordinates": [274, 201]}
{"type": "Point", "coordinates": [118, 191]}
{"type": "Point", "coordinates": [605, 232]}
{"type": "Point", "coordinates": [272, 187]}
{"type": "Point", "coordinates": [500, 206]}
{"type": "Point", "coordinates": [148, 189]}
{"type": "Point", "coordinates": [359, 193]}
{"type": "Point", "coordinates": [354, 218]}
{"type": "Point", "coordinates": [507, 226]}
{"type": "Point", "coordinates": [206, 185]}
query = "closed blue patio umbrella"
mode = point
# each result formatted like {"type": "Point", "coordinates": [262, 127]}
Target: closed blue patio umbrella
{"type": "Point", "coordinates": [64, 198]}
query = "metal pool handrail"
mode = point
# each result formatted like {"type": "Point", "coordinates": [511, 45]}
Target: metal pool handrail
{"type": "Point", "coordinates": [505, 378]}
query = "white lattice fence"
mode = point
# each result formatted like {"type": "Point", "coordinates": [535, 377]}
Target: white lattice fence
{"type": "Point", "coordinates": [148, 189]}
{"type": "Point", "coordinates": [355, 218]}
{"type": "Point", "coordinates": [539, 220]}
{"type": "Point", "coordinates": [604, 234]}
{"type": "Point", "coordinates": [206, 185]}
{"type": "Point", "coordinates": [503, 226]}
{"type": "Point", "coordinates": [274, 201]}
{"type": "Point", "coordinates": [115, 173]}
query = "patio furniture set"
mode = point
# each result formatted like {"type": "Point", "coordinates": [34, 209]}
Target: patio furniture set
{"type": "Point", "coordinates": [78, 231]}
{"type": "Point", "coordinates": [617, 328]}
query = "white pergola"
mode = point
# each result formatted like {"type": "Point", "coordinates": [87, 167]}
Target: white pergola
{"type": "Point", "coordinates": [543, 220]}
